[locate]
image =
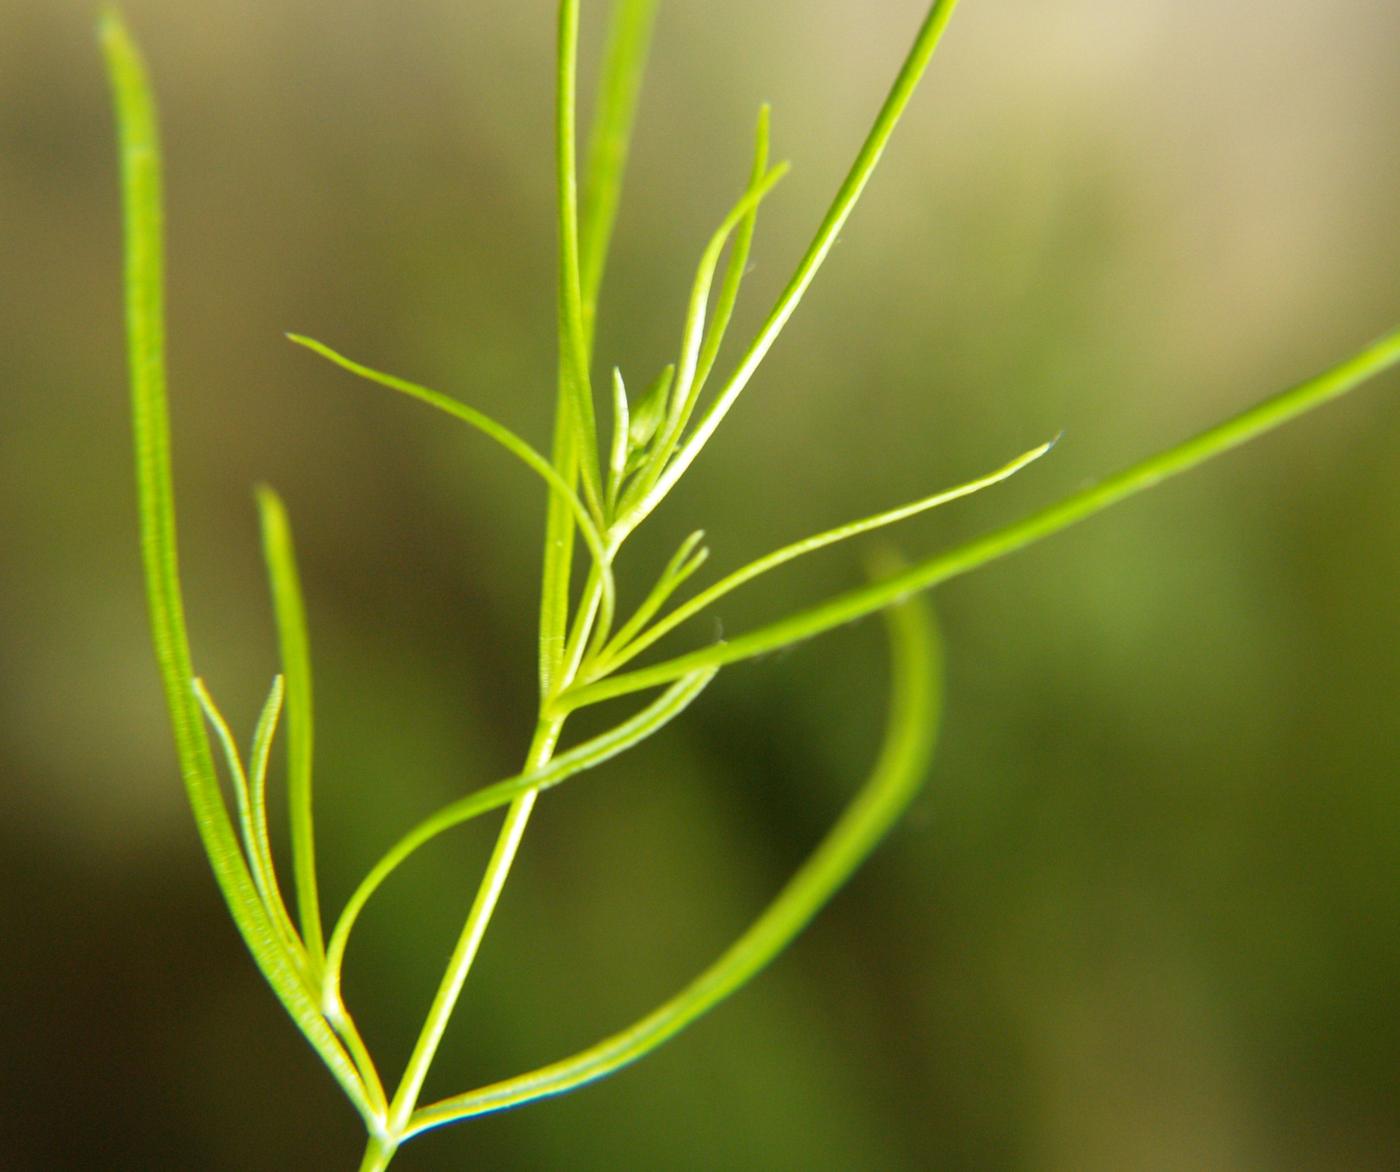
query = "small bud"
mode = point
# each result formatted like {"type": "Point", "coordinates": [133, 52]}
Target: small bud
{"type": "Point", "coordinates": [651, 410]}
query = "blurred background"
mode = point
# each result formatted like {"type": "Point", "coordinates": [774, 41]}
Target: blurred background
{"type": "Point", "coordinates": [1146, 914]}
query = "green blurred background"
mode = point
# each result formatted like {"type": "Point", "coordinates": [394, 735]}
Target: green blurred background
{"type": "Point", "coordinates": [1147, 913]}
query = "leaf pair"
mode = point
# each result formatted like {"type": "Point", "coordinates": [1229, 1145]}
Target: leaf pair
{"type": "Point", "coordinates": [262, 930]}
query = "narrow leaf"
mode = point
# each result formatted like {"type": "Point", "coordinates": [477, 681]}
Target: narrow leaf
{"type": "Point", "coordinates": [930, 33]}
{"type": "Point", "coordinates": [574, 351]}
{"type": "Point", "coordinates": [145, 327]}
{"type": "Point", "coordinates": [237, 774]}
{"type": "Point", "coordinates": [623, 652]}
{"type": "Point", "coordinates": [624, 64]}
{"type": "Point", "coordinates": [684, 562]}
{"type": "Point", "coordinates": [473, 418]}
{"type": "Point", "coordinates": [651, 409]}
{"type": "Point", "coordinates": [258, 758]}
{"type": "Point", "coordinates": [682, 565]}
{"type": "Point", "coordinates": [617, 456]}
{"type": "Point", "coordinates": [855, 604]}
{"type": "Point", "coordinates": [737, 264]}
{"type": "Point", "coordinates": [294, 644]}
{"type": "Point", "coordinates": [252, 817]}
{"type": "Point", "coordinates": [683, 398]}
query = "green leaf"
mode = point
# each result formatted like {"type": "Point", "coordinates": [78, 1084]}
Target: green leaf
{"type": "Point", "coordinates": [926, 41]}
{"type": "Point", "coordinates": [238, 777]}
{"type": "Point", "coordinates": [617, 455]}
{"type": "Point", "coordinates": [139, 150]}
{"type": "Point", "coordinates": [483, 423]}
{"type": "Point", "coordinates": [294, 644]}
{"type": "Point", "coordinates": [684, 562]}
{"type": "Point", "coordinates": [251, 799]}
{"type": "Point", "coordinates": [620, 651]}
{"type": "Point", "coordinates": [624, 63]}
{"type": "Point", "coordinates": [575, 386]}
{"type": "Point", "coordinates": [682, 400]}
{"type": "Point", "coordinates": [844, 608]}
{"type": "Point", "coordinates": [738, 262]}
{"type": "Point", "coordinates": [651, 410]}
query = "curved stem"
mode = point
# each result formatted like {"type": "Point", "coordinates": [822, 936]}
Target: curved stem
{"type": "Point", "coordinates": [904, 756]}
{"type": "Point", "coordinates": [473, 418]}
{"type": "Point", "coordinates": [590, 753]}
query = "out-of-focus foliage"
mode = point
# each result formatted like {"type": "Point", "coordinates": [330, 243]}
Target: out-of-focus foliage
{"type": "Point", "coordinates": [1146, 914]}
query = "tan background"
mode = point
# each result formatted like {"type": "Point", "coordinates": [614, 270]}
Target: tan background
{"type": "Point", "coordinates": [1144, 917]}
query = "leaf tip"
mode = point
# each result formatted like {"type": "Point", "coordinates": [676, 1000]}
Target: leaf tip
{"type": "Point", "coordinates": [268, 500]}
{"type": "Point", "coordinates": [111, 28]}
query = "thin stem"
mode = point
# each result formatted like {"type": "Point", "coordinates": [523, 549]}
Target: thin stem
{"type": "Point", "coordinates": [378, 1152]}
{"type": "Point", "coordinates": [460, 962]}
{"type": "Point", "coordinates": [583, 247]}
{"type": "Point", "coordinates": [349, 1032]}
{"type": "Point", "coordinates": [560, 533]}
{"type": "Point", "coordinates": [855, 604]}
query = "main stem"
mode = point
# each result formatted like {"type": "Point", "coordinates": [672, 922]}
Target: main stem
{"type": "Point", "coordinates": [378, 1153]}
{"type": "Point", "coordinates": [575, 415]}
{"type": "Point", "coordinates": [381, 1147]}
{"type": "Point", "coordinates": [497, 868]}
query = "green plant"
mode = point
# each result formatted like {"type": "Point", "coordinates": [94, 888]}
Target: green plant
{"type": "Point", "coordinates": [599, 493]}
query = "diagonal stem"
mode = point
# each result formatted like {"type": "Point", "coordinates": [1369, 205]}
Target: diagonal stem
{"type": "Point", "coordinates": [469, 943]}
